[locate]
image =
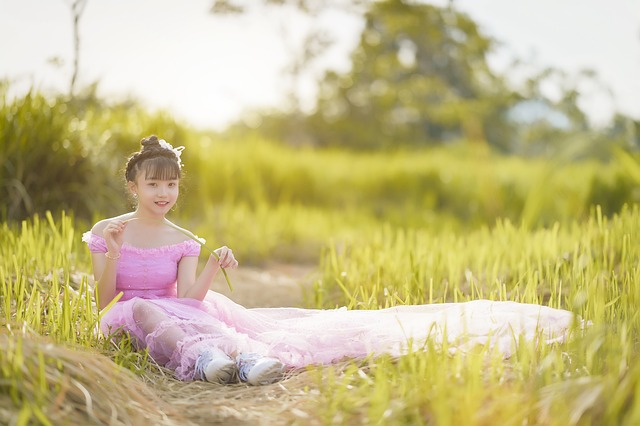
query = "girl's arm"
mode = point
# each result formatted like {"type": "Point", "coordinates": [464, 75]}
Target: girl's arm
{"type": "Point", "coordinates": [105, 264]}
{"type": "Point", "coordinates": [104, 272]}
{"type": "Point", "coordinates": [196, 288]}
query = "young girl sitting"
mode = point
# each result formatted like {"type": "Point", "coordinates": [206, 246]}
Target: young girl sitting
{"type": "Point", "coordinates": [168, 308]}
{"type": "Point", "coordinates": [154, 266]}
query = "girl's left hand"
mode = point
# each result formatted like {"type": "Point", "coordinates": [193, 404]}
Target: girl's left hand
{"type": "Point", "coordinates": [227, 260]}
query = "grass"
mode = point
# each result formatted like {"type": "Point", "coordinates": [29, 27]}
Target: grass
{"type": "Point", "coordinates": [557, 266]}
{"type": "Point", "coordinates": [49, 383]}
{"type": "Point", "coordinates": [261, 197]}
{"type": "Point", "coordinates": [455, 186]}
{"type": "Point", "coordinates": [82, 145]}
{"type": "Point", "coordinates": [387, 228]}
{"type": "Point", "coordinates": [590, 268]}
{"type": "Point", "coordinates": [53, 356]}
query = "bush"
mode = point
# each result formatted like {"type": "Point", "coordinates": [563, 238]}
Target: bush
{"type": "Point", "coordinates": [68, 154]}
{"type": "Point", "coordinates": [45, 164]}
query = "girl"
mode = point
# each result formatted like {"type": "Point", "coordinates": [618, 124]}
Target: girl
{"type": "Point", "coordinates": [201, 334]}
{"type": "Point", "coordinates": [154, 265]}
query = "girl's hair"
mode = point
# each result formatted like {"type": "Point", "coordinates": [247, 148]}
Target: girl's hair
{"type": "Point", "coordinates": [157, 162]}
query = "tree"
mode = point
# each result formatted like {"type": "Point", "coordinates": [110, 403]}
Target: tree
{"type": "Point", "coordinates": [419, 76]}
{"type": "Point", "coordinates": [77, 9]}
{"type": "Point", "coordinates": [304, 52]}
{"type": "Point", "coordinates": [548, 116]}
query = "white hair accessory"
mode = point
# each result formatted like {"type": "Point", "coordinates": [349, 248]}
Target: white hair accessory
{"type": "Point", "coordinates": [177, 150]}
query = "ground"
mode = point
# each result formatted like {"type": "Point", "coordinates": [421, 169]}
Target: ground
{"type": "Point", "coordinates": [271, 286]}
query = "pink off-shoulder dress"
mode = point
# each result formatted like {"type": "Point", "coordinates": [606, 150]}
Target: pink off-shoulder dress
{"type": "Point", "coordinates": [297, 336]}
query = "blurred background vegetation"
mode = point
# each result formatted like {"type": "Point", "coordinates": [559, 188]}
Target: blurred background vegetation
{"type": "Point", "coordinates": [419, 133]}
{"type": "Point", "coordinates": [421, 175]}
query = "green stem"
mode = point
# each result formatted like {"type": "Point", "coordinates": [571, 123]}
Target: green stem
{"type": "Point", "coordinates": [193, 237]}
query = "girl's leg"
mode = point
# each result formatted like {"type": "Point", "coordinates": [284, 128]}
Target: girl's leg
{"type": "Point", "coordinates": [161, 341]}
{"type": "Point", "coordinates": [166, 339]}
{"type": "Point", "coordinates": [162, 338]}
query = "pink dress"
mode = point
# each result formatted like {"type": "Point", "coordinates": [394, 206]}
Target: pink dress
{"type": "Point", "coordinates": [296, 336]}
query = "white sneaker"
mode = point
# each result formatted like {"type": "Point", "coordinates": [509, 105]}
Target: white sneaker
{"type": "Point", "coordinates": [215, 366]}
{"type": "Point", "coordinates": [258, 370]}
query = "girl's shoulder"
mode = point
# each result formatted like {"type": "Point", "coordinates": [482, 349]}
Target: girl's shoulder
{"type": "Point", "coordinates": [181, 235]}
{"type": "Point", "coordinates": [100, 225]}
{"type": "Point", "coordinates": [180, 232]}
{"type": "Point", "coordinates": [170, 234]}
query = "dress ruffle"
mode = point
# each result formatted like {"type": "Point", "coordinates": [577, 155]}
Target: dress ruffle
{"type": "Point", "coordinates": [97, 244]}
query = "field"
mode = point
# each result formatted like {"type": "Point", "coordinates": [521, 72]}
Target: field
{"type": "Point", "coordinates": [376, 231]}
{"type": "Point", "coordinates": [322, 228]}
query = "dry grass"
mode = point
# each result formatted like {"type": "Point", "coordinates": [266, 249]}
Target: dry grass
{"type": "Point", "coordinates": [283, 403]}
{"type": "Point", "coordinates": [57, 384]}
{"type": "Point", "coordinates": [61, 385]}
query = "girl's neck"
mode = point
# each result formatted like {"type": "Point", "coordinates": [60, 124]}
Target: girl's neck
{"type": "Point", "coordinates": [160, 219]}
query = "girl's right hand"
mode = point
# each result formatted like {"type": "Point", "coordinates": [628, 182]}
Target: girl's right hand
{"type": "Point", "coordinates": [114, 235]}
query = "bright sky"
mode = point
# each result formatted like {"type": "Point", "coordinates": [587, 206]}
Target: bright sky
{"type": "Point", "coordinates": [173, 54]}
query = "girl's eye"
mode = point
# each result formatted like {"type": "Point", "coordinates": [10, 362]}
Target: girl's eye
{"type": "Point", "coordinates": [172, 184]}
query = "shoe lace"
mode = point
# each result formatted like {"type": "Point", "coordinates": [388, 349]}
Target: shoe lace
{"type": "Point", "coordinates": [201, 362]}
{"type": "Point", "coordinates": [245, 364]}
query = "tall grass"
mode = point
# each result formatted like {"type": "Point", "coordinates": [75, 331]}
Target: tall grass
{"type": "Point", "coordinates": [591, 268]}
{"type": "Point", "coordinates": [408, 188]}
{"type": "Point", "coordinates": [267, 200]}
{"type": "Point", "coordinates": [548, 265]}
{"type": "Point", "coordinates": [39, 288]}
{"type": "Point", "coordinates": [448, 224]}
{"type": "Point", "coordinates": [47, 383]}
{"type": "Point", "coordinates": [54, 151]}
{"type": "Point", "coordinates": [51, 349]}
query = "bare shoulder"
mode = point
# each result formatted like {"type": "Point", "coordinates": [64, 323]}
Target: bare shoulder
{"type": "Point", "coordinates": [180, 234]}
{"type": "Point", "coordinates": [100, 225]}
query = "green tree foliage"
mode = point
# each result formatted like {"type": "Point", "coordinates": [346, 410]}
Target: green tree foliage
{"type": "Point", "coordinates": [419, 75]}
{"type": "Point", "coordinates": [68, 154]}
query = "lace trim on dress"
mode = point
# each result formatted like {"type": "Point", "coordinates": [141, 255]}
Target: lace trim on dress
{"type": "Point", "coordinates": [91, 238]}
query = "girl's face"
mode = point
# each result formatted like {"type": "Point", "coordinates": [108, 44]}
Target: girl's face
{"type": "Point", "coordinates": [155, 196]}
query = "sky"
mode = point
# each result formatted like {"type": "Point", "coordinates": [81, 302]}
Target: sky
{"type": "Point", "coordinates": [208, 70]}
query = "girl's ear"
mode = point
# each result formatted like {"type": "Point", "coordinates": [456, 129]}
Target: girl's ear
{"type": "Point", "coordinates": [133, 188]}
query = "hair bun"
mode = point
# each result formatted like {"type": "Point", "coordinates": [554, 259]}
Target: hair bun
{"type": "Point", "coordinates": [150, 142]}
